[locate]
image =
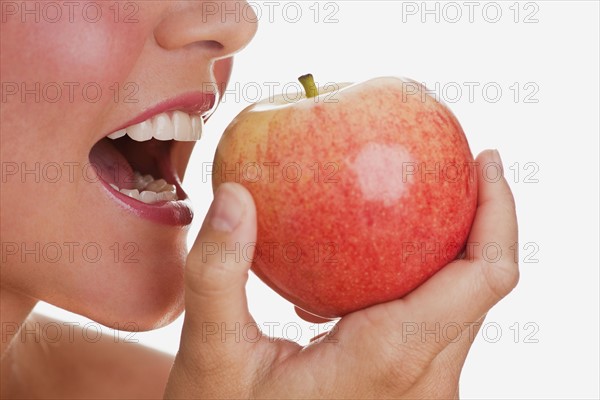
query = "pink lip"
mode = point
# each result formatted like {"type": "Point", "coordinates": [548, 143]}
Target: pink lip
{"type": "Point", "coordinates": [202, 103]}
{"type": "Point", "coordinates": [175, 213]}
{"type": "Point", "coordinates": [178, 213]}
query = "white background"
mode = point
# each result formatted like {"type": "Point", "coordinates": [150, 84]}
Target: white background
{"type": "Point", "coordinates": [542, 340]}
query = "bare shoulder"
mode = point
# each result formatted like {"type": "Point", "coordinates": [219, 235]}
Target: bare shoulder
{"type": "Point", "coordinates": [86, 363]}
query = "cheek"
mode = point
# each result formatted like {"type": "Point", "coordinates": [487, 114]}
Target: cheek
{"type": "Point", "coordinates": [79, 50]}
{"type": "Point", "coordinates": [45, 115]}
{"type": "Point", "coordinates": [77, 66]}
{"type": "Point", "coordinates": [48, 116]}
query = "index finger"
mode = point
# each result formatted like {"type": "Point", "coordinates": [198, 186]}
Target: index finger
{"type": "Point", "coordinates": [494, 231]}
{"type": "Point", "coordinates": [466, 289]}
{"type": "Point", "coordinates": [451, 302]}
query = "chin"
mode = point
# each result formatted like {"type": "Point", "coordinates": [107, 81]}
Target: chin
{"type": "Point", "coordinates": [147, 298]}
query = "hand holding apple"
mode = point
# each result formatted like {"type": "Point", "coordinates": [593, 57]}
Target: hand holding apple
{"type": "Point", "coordinates": [410, 348]}
{"type": "Point", "coordinates": [363, 191]}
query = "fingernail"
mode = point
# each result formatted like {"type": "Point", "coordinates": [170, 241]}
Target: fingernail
{"type": "Point", "coordinates": [227, 209]}
{"type": "Point", "coordinates": [497, 159]}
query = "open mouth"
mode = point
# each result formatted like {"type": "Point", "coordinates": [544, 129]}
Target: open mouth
{"type": "Point", "coordinates": [135, 164]}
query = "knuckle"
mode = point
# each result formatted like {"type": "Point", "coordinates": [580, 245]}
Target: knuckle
{"type": "Point", "coordinates": [399, 360]}
{"type": "Point", "coordinates": [508, 198]}
{"type": "Point", "coordinates": [500, 278]}
{"type": "Point", "coordinates": [196, 281]}
{"type": "Point", "coordinates": [207, 361]}
{"type": "Point", "coordinates": [207, 279]}
{"type": "Point", "coordinates": [398, 369]}
{"type": "Point", "coordinates": [399, 365]}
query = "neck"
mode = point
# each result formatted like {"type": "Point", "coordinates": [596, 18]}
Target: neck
{"type": "Point", "coordinates": [14, 309]}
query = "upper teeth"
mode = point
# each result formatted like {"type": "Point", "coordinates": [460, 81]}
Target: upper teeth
{"type": "Point", "coordinates": [177, 126]}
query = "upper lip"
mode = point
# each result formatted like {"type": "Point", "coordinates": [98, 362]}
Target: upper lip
{"type": "Point", "coordinates": [196, 103]}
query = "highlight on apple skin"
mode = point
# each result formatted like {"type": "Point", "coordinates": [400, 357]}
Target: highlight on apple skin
{"type": "Point", "coordinates": [363, 191]}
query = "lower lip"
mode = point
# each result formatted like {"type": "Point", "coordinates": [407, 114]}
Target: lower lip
{"type": "Point", "coordinates": [174, 213]}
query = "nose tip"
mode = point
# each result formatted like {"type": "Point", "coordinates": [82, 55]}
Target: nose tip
{"type": "Point", "coordinates": [221, 28]}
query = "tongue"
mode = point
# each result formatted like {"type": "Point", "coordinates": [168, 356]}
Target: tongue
{"type": "Point", "coordinates": [110, 165]}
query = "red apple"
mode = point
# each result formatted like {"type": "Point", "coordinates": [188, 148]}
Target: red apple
{"type": "Point", "coordinates": [363, 191]}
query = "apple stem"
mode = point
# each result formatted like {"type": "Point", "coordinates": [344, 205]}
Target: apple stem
{"type": "Point", "coordinates": [308, 82]}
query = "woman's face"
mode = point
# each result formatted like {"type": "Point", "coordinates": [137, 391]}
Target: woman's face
{"type": "Point", "coordinates": [71, 75]}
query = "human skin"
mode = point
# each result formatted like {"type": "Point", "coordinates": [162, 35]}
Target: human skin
{"type": "Point", "coordinates": [166, 38]}
{"type": "Point", "coordinates": [172, 49]}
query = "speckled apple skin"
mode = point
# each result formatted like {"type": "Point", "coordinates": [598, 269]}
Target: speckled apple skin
{"type": "Point", "coordinates": [364, 230]}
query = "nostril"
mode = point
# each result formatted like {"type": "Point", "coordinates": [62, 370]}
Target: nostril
{"type": "Point", "coordinates": [210, 45]}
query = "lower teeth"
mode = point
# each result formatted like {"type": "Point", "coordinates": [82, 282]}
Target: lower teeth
{"type": "Point", "coordinates": [148, 190]}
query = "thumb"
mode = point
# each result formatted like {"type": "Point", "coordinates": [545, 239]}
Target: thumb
{"type": "Point", "coordinates": [216, 271]}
